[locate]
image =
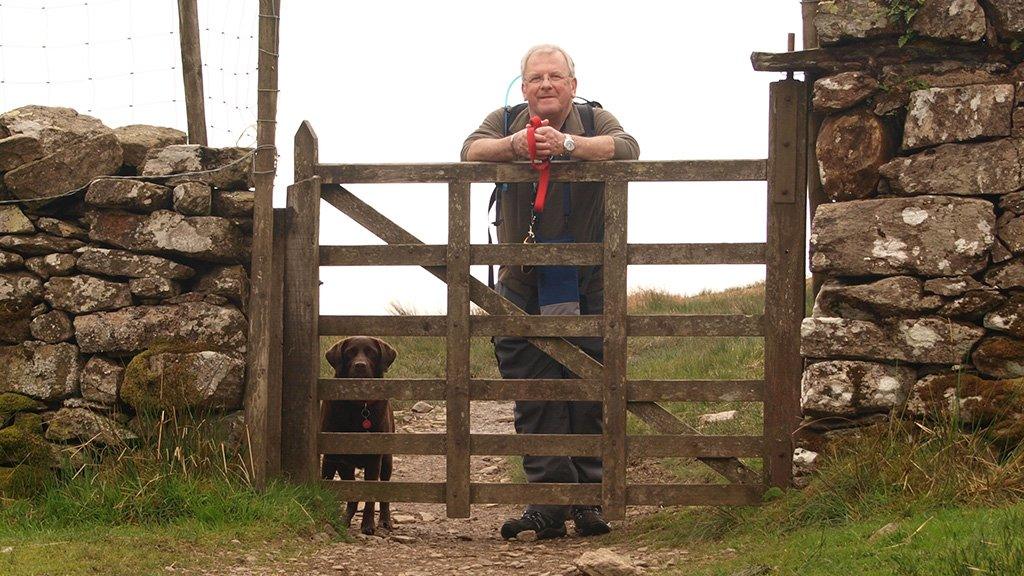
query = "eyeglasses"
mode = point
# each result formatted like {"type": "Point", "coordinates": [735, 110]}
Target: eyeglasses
{"type": "Point", "coordinates": [554, 78]}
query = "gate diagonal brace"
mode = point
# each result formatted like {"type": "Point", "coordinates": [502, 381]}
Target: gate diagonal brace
{"type": "Point", "coordinates": [560, 349]}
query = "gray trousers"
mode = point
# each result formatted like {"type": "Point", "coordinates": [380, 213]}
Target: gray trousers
{"type": "Point", "coordinates": [517, 358]}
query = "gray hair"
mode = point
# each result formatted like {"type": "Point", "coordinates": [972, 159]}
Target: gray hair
{"type": "Point", "coordinates": [548, 49]}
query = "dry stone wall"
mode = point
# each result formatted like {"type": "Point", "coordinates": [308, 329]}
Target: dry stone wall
{"type": "Point", "coordinates": [124, 261]}
{"type": "Point", "coordinates": [921, 154]}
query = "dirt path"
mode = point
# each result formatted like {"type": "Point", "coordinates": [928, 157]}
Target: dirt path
{"type": "Point", "coordinates": [426, 543]}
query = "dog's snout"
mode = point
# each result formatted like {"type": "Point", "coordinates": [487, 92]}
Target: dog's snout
{"type": "Point", "coordinates": [360, 368]}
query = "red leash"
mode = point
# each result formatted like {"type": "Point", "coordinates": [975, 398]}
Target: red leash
{"type": "Point", "coordinates": [542, 166]}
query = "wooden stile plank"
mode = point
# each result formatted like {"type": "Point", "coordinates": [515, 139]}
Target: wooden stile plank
{"type": "Point", "coordinates": [694, 495]}
{"type": "Point", "coordinates": [615, 353]}
{"type": "Point", "coordinates": [380, 443]}
{"type": "Point", "coordinates": [457, 352]}
{"type": "Point", "coordinates": [391, 491]}
{"type": "Point", "coordinates": [386, 255]}
{"type": "Point", "coordinates": [694, 446]}
{"type": "Point", "coordinates": [748, 253]}
{"type": "Point", "coordinates": [583, 254]}
{"type": "Point", "coordinates": [383, 325]}
{"type": "Point", "coordinates": [559, 389]}
{"type": "Point", "coordinates": [696, 390]}
{"type": "Point", "coordinates": [621, 170]}
{"type": "Point", "coordinates": [536, 444]}
{"type": "Point", "coordinates": [695, 325]}
{"type": "Point", "coordinates": [784, 282]}
{"type": "Point", "coordinates": [381, 388]}
{"type": "Point", "coordinates": [517, 325]}
{"type": "Point", "coordinates": [568, 494]}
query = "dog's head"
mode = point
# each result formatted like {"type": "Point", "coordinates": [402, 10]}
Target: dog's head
{"type": "Point", "coordinates": [361, 357]}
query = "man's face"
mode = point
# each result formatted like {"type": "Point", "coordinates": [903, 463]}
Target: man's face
{"type": "Point", "coordinates": [547, 86]}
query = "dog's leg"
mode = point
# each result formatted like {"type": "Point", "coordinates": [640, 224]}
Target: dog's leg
{"type": "Point", "coordinates": [370, 474]}
{"type": "Point", "coordinates": [348, 472]}
{"type": "Point", "coordinates": [329, 466]}
{"type": "Point", "coordinates": [386, 467]}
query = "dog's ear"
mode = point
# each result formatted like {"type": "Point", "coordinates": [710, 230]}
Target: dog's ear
{"type": "Point", "coordinates": [387, 355]}
{"type": "Point", "coordinates": [335, 356]}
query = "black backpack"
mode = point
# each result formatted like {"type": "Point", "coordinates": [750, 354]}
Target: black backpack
{"type": "Point", "coordinates": [586, 110]}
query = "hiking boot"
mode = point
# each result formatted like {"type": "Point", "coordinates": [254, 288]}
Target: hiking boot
{"type": "Point", "coordinates": [542, 525]}
{"type": "Point", "coordinates": [588, 521]}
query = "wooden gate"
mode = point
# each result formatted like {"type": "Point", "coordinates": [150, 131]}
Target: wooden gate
{"type": "Point", "coordinates": [783, 253]}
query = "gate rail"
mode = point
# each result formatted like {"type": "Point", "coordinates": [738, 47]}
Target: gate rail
{"type": "Point", "coordinates": [783, 253]}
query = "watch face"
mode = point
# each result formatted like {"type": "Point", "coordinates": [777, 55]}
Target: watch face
{"type": "Point", "coordinates": [569, 144]}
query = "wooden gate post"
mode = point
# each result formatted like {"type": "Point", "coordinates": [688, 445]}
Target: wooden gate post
{"type": "Point", "coordinates": [785, 278]}
{"type": "Point", "coordinates": [192, 71]}
{"type": "Point", "coordinates": [613, 453]}
{"type": "Point", "coordinates": [300, 419]}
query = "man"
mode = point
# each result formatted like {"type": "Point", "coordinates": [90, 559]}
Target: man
{"type": "Point", "coordinates": [573, 213]}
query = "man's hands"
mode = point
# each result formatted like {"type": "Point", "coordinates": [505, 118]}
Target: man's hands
{"type": "Point", "coordinates": [549, 142]}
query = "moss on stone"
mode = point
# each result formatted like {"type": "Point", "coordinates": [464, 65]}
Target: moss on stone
{"type": "Point", "coordinates": [11, 404]}
{"type": "Point", "coordinates": [24, 444]}
{"type": "Point", "coordinates": [148, 391]}
{"type": "Point", "coordinates": [23, 481]}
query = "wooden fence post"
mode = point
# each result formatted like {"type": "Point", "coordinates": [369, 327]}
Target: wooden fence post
{"type": "Point", "coordinates": [785, 279]}
{"type": "Point", "coordinates": [192, 71]}
{"type": "Point", "coordinates": [301, 363]}
{"type": "Point", "coordinates": [457, 358]}
{"type": "Point", "coordinates": [613, 456]}
{"type": "Point", "coordinates": [258, 388]}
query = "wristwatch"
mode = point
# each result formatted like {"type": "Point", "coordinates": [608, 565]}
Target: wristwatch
{"type": "Point", "coordinates": [569, 144]}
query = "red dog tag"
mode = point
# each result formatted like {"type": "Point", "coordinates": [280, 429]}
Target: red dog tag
{"type": "Point", "coordinates": [367, 424]}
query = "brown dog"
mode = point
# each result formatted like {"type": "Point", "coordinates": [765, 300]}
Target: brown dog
{"type": "Point", "coordinates": [359, 357]}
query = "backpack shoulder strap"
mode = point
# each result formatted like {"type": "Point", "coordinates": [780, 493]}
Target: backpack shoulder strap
{"type": "Point", "coordinates": [511, 112]}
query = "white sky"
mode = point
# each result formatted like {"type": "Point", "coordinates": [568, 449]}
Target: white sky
{"type": "Point", "coordinates": [404, 81]}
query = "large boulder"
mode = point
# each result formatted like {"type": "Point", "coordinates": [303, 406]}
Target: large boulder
{"type": "Point", "coordinates": [18, 150]}
{"type": "Point", "coordinates": [999, 357]}
{"type": "Point", "coordinates": [850, 148]}
{"type": "Point", "coordinates": [68, 169]}
{"type": "Point", "coordinates": [225, 168]}
{"type": "Point", "coordinates": [126, 264]}
{"type": "Point", "coordinates": [1009, 317]}
{"type": "Point", "coordinates": [1010, 230]}
{"type": "Point", "coordinates": [234, 203]}
{"type": "Point", "coordinates": [208, 238]}
{"type": "Point", "coordinates": [997, 405]}
{"type": "Point", "coordinates": [1007, 17]}
{"type": "Point", "coordinates": [847, 387]}
{"type": "Point", "coordinates": [164, 379]}
{"type": "Point", "coordinates": [955, 20]}
{"type": "Point", "coordinates": [140, 327]}
{"type": "Point", "coordinates": [138, 139]}
{"type": "Point", "coordinates": [82, 425]}
{"type": "Point", "coordinates": [19, 290]}
{"type": "Point", "coordinates": [47, 372]}
{"type": "Point", "coordinates": [952, 286]}
{"type": "Point", "coordinates": [13, 221]}
{"type": "Point", "coordinates": [193, 198]}
{"type": "Point", "coordinates": [39, 244]}
{"type": "Point", "coordinates": [939, 115]}
{"type": "Point", "coordinates": [231, 282]}
{"type": "Point", "coordinates": [840, 20]}
{"type": "Point", "coordinates": [128, 194]}
{"type": "Point", "coordinates": [83, 294]}
{"type": "Point", "coordinates": [1006, 276]}
{"type": "Point", "coordinates": [972, 306]}
{"type": "Point", "coordinates": [923, 235]}
{"type": "Point", "coordinates": [917, 340]}
{"type": "Point", "coordinates": [843, 90]}
{"type": "Point", "coordinates": [52, 327]}
{"type": "Point", "coordinates": [53, 127]}
{"type": "Point", "coordinates": [61, 228]}
{"type": "Point", "coordinates": [896, 296]}
{"type": "Point", "coordinates": [154, 288]}
{"type": "Point", "coordinates": [995, 167]}
{"type": "Point", "coordinates": [605, 562]}
{"type": "Point", "coordinates": [101, 380]}
{"type": "Point", "coordinates": [11, 261]}
{"type": "Point", "coordinates": [51, 265]}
